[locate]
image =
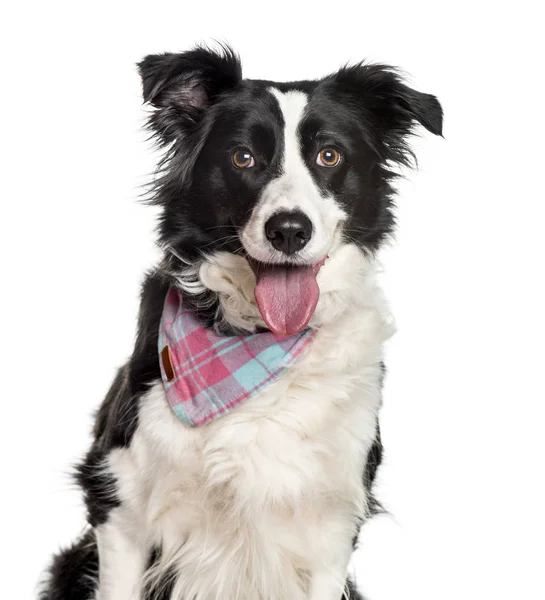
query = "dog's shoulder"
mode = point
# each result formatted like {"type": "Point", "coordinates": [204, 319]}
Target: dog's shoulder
{"type": "Point", "coordinates": [118, 416]}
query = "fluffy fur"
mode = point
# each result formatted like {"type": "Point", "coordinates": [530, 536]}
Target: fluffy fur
{"type": "Point", "coordinates": [266, 502]}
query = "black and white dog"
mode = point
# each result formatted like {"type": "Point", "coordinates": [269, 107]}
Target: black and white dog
{"type": "Point", "coordinates": [280, 192]}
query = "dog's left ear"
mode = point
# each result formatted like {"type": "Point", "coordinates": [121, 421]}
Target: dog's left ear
{"type": "Point", "coordinates": [182, 86]}
{"type": "Point", "coordinates": [423, 108]}
{"type": "Point", "coordinates": [389, 106]}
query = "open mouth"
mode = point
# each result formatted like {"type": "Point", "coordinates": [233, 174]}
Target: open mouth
{"type": "Point", "coordinates": [286, 295]}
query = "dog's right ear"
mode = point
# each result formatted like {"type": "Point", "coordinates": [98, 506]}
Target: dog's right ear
{"type": "Point", "coordinates": [182, 86]}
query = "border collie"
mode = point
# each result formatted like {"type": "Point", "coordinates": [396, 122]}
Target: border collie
{"type": "Point", "coordinates": [234, 455]}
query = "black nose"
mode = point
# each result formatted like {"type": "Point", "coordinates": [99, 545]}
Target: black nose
{"type": "Point", "coordinates": [288, 232]}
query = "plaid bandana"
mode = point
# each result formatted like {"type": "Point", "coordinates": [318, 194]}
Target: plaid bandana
{"type": "Point", "coordinates": [205, 374]}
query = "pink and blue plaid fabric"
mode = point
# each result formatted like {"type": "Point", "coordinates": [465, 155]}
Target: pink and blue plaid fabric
{"type": "Point", "coordinates": [205, 374]}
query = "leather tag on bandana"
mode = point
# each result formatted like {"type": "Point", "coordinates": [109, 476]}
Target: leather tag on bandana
{"type": "Point", "coordinates": [167, 363]}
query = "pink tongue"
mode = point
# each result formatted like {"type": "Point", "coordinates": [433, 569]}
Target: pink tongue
{"type": "Point", "coordinates": [286, 297]}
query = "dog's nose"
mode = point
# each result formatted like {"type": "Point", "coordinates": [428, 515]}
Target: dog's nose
{"type": "Point", "coordinates": [288, 232]}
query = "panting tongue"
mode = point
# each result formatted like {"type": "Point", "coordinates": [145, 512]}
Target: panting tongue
{"type": "Point", "coordinates": [286, 297]}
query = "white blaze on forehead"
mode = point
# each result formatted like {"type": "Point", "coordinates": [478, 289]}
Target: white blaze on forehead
{"type": "Point", "coordinates": [296, 186]}
{"type": "Point", "coordinates": [292, 104]}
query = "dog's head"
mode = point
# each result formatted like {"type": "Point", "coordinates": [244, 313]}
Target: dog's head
{"type": "Point", "coordinates": [263, 184]}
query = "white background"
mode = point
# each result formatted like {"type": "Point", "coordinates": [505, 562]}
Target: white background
{"type": "Point", "coordinates": [464, 419]}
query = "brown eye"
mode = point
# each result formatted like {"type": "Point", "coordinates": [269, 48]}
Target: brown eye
{"type": "Point", "coordinates": [328, 157]}
{"type": "Point", "coordinates": [243, 159]}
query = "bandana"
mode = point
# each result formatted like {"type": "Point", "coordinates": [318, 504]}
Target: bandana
{"type": "Point", "coordinates": [205, 374]}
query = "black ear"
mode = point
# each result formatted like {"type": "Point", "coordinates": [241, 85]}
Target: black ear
{"type": "Point", "coordinates": [182, 85]}
{"type": "Point", "coordinates": [389, 107]}
{"type": "Point", "coordinates": [424, 108]}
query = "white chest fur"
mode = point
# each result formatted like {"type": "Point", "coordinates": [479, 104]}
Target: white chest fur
{"type": "Point", "coordinates": [259, 503]}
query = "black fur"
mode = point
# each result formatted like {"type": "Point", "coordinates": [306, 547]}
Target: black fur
{"type": "Point", "coordinates": [162, 589]}
{"type": "Point", "coordinates": [117, 418]}
{"type": "Point", "coordinates": [353, 593]}
{"type": "Point", "coordinates": [374, 460]}
{"type": "Point", "coordinates": [204, 111]}
{"type": "Point", "coordinates": [74, 572]}
{"type": "Point", "coordinates": [98, 485]}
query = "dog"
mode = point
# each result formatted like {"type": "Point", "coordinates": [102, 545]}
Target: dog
{"type": "Point", "coordinates": [235, 452]}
